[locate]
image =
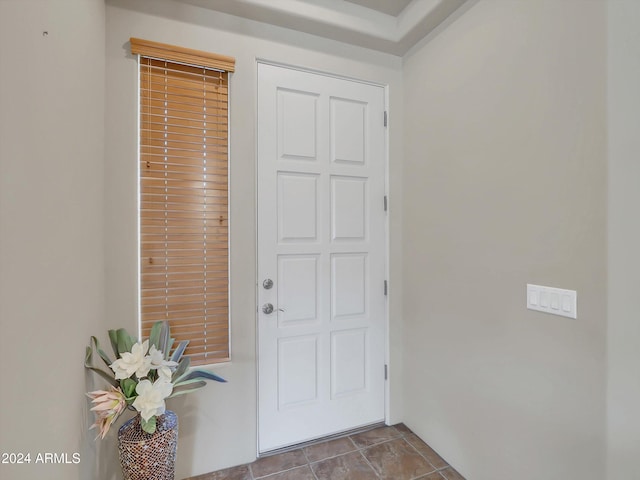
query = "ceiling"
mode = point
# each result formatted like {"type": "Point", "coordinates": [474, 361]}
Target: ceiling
{"type": "Point", "coordinates": [390, 26]}
{"type": "Point", "coordinates": [390, 7]}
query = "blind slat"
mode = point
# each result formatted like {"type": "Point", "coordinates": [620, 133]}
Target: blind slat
{"type": "Point", "coordinates": [157, 156]}
{"type": "Point", "coordinates": [177, 278]}
{"type": "Point", "coordinates": [187, 239]}
{"type": "Point", "coordinates": [196, 316]}
{"type": "Point", "coordinates": [160, 285]}
{"type": "Point", "coordinates": [186, 177]}
{"type": "Point", "coordinates": [158, 102]}
{"type": "Point", "coordinates": [177, 154]}
{"type": "Point", "coordinates": [156, 81]}
{"type": "Point", "coordinates": [179, 70]}
{"type": "Point", "coordinates": [152, 167]}
{"type": "Point", "coordinates": [197, 137]}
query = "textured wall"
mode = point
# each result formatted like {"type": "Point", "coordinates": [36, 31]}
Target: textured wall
{"type": "Point", "coordinates": [505, 184]}
{"type": "Point", "coordinates": [624, 240]}
{"type": "Point", "coordinates": [51, 237]}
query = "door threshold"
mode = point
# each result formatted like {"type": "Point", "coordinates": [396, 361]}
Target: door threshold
{"type": "Point", "coordinates": [315, 441]}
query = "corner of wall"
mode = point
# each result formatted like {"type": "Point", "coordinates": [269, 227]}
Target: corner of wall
{"type": "Point", "coordinates": [623, 354]}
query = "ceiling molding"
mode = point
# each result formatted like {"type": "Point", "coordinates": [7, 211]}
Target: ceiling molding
{"type": "Point", "coordinates": [343, 20]}
{"type": "Point", "coordinates": [393, 7]}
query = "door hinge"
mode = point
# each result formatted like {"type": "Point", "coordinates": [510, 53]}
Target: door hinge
{"type": "Point", "coordinates": [386, 372]}
{"type": "Point", "coordinates": [385, 287]}
{"type": "Point", "coordinates": [386, 202]}
{"type": "Point", "coordinates": [385, 118]}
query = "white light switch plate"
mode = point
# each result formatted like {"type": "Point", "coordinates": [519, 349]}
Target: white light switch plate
{"type": "Point", "coordinates": [555, 301]}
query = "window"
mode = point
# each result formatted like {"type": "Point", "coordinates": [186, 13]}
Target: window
{"type": "Point", "coordinates": [184, 237]}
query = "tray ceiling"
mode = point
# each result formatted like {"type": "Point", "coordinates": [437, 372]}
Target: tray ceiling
{"type": "Point", "coordinates": [390, 7]}
{"type": "Point", "coordinates": [391, 26]}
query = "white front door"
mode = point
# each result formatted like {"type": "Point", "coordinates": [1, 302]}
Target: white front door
{"type": "Point", "coordinates": [321, 255]}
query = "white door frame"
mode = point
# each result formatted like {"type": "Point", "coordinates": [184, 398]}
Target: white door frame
{"type": "Point", "coordinates": [385, 87]}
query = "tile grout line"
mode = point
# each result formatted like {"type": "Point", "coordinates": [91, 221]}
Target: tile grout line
{"type": "Point", "coordinates": [285, 470]}
{"type": "Point", "coordinates": [435, 469]}
{"type": "Point", "coordinates": [375, 472]}
{"type": "Point", "coordinates": [402, 436]}
{"type": "Point", "coordinates": [361, 450]}
{"type": "Point", "coordinates": [279, 472]}
{"type": "Point", "coordinates": [333, 456]}
{"type": "Point", "coordinates": [356, 449]}
{"type": "Point", "coordinates": [378, 443]}
{"type": "Point", "coordinates": [425, 457]}
{"type": "Point", "coordinates": [309, 464]}
{"type": "Point", "coordinates": [427, 474]}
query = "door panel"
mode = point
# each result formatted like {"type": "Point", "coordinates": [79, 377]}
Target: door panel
{"type": "Point", "coordinates": [349, 362]}
{"type": "Point", "coordinates": [321, 234]}
{"type": "Point", "coordinates": [298, 282]}
{"type": "Point", "coordinates": [348, 208]}
{"type": "Point", "coordinates": [297, 371]}
{"type": "Point", "coordinates": [348, 122]}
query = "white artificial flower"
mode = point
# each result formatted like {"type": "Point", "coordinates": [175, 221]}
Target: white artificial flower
{"type": "Point", "coordinates": [157, 359]}
{"type": "Point", "coordinates": [164, 374]}
{"type": "Point", "coordinates": [150, 399]}
{"type": "Point", "coordinates": [137, 361]}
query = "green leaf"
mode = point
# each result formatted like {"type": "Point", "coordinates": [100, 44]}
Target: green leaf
{"type": "Point", "coordinates": [179, 351]}
{"type": "Point", "coordinates": [105, 358]}
{"type": "Point", "coordinates": [163, 341]}
{"type": "Point", "coordinates": [104, 375]}
{"type": "Point", "coordinates": [182, 369]}
{"type": "Point", "coordinates": [169, 347]}
{"type": "Point", "coordinates": [154, 335]}
{"type": "Point", "coordinates": [202, 374]}
{"type": "Point", "coordinates": [128, 386]}
{"type": "Point", "coordinates": [113, 337]}
{"type": "Point", "coordinates": [184, 389]}
{"type": "Point", "coordinates": [188, 382]}
{"type": "Point", "coordinates": [148, 426]}
{"type": "Point", "coordinates": [88, 364]}
{"type": "Point", "coordinates": [125, 342]}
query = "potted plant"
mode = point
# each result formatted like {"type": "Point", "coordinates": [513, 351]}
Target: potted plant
{"type": "Point", "coordinates": [142, 376]}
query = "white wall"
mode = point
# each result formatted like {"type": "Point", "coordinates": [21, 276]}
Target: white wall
{"type": "Point", "coordinates": [505, 184]}
{"type": "Point", "coordinates": [51, 237]}
{"type": "Point", "coordinates": [624, 240]}
{"type": "Point", "coordinates": [218, 424]}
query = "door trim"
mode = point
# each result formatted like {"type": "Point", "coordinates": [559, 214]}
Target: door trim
{"type": "Point", "coordinates": [387, 252]}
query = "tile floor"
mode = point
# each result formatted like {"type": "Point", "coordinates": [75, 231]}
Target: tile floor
{"type": "Point", "coordinates": [385, 453]}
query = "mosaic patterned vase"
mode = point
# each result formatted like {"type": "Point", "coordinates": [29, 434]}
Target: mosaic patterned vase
{"type": "Point", "coordinates": [145, 456]}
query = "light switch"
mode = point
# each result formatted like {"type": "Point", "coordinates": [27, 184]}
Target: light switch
{"type": "Point", "coordinates": [544, 299]}
{"type": "Point", "coordinates": [556, 301]}
{"type": "Point", "coordinates": [566, 303]}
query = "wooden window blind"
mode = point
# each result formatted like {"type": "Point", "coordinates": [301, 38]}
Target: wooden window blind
{"type": "Point", "coordinates": [184, 238]}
